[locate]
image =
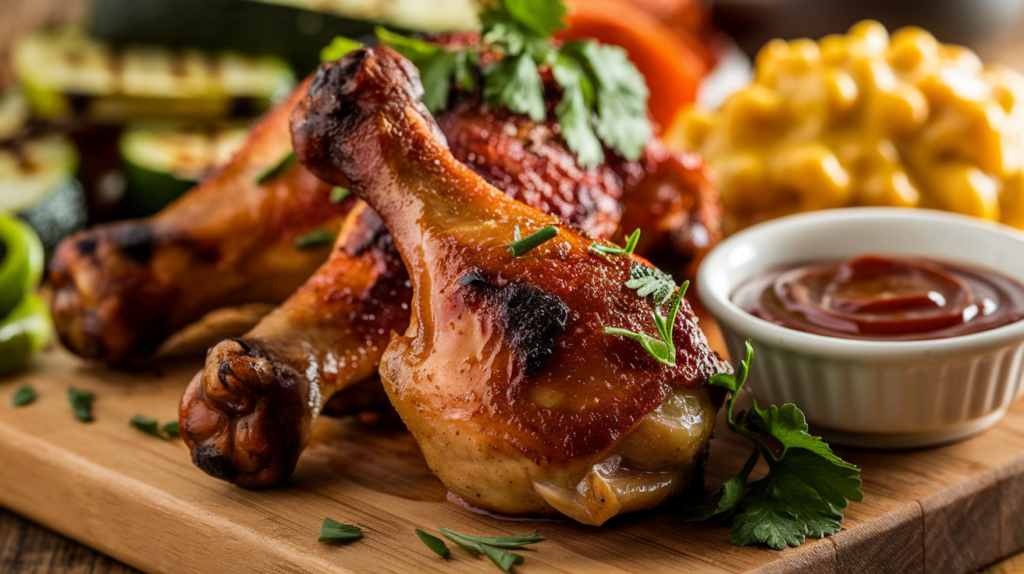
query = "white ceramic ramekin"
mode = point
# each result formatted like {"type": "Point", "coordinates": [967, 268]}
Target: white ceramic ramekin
{"type": "Point", "coordinates": [870, 393]}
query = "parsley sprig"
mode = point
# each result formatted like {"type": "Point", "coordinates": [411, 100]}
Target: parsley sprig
{"type": "Point", "coordinates": [807, 485]}
{"type": "Point", "coordinates": [604, 96]}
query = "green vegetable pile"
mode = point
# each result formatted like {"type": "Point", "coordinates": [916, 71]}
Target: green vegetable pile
{"type": "Point", "coordinates": [604, 96]}
{"type": "Point", "coordinates": [24, 318]}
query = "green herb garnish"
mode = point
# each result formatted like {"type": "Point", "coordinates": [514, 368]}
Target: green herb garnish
{"type": "Point", "coordinates": [339, 194]}
{"type": "Point", "coordinates": [493, 548]}
{"type": "Point", "coordinates": [662, 347]}
{"type": "Point", "coordinates": [146, 425]}
{"type": "Point", "coordinates": [278, 168]}
{"type": "Point", "coordinates": [338, 47]}
{"type": "Point", "coordinates": [631, 242]}
{"type": "Point", "coordinates": [521, 247]}
{"type": "Point", "coordinates": [604, 96]}
{"type": "Point", "coordinates": [334, 531]}
{"type": "Point", "coordinates": [24, 396]}
{"type": "Point", "coordinates": [81, 404]}
{"type": "Point", "coordinates": [314, 239]}
{"type": "Point", "coordinates": [171, 429]}
{"type": "Point", "coordinates": [807, 485]}
{"type": "Point", "coordinates": [651, 281]}
{"type": "Point", "coordinates": [435, 544]}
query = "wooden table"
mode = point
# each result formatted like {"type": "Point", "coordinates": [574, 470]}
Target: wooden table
{"type": "Point", "coordinates": [25, 547]}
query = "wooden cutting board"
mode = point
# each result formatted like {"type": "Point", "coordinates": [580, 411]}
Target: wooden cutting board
{"type": "Point", "coordinates": [140, 500]}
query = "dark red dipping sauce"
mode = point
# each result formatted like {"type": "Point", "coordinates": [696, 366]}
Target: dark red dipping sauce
{"type": "Point", "coordinates": [879, 298]}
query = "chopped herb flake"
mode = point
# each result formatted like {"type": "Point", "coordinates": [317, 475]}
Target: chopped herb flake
{"type": "Point", "coordinates": [24, 396]}
{"type": "Point", "coordinates": [171, 429]}
{"type": "Point", "coordinates": [81, 404]}
{"type": "Point", "coordinates": [521, 247]}
{"type": "Point", "coordinates": [435, 544]}
{"type": "Point", "coordinates": [314, 239]}
{"type": "Point", "coordinates": [334, 531]}
{"type": "Point", "coordinates": [146, 425]}
{"type": "Point", "coordinates": [493, 548]}
{"type": "Point", "coordinates": [339, 194]}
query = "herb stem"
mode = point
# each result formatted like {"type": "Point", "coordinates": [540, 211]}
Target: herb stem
{"type": "Point", "coordinates": [530, 242]}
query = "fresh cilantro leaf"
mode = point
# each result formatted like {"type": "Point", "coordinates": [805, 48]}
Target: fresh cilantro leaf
{"type": "Point", "coordinates": [171, 429]}
{"type": "Point", "coordinates": [574, 114]}
{"type": "Point", "coordinates": [801, 496]}
{"type": "Point", "coordinates": [436, 65]}
{"type": "Point", "coordinates": [515, 83]}
{"type": "Point", "coordinates": [542, 17]}
{"type": "Point", "coordinates": [651, 281]}
{"type": "Point", "coordinates": [338, 47]}
{"type": "Point", "coordinates": [622, 96]}
{"type": "Point", "coordinates": [465, 70]}
{"type": "Point", "coordinates": [807, 484]}
{"type": "Point", "coordinates": [334, 531]}
{"type": "Point", "coordinates": [146, 425]}
{"type": "Point", "coordinates": [81, 404]}
{"type": "Point", "coordinates": [24, 396]}
{"type": "Point", "coordinates": [435, 544]}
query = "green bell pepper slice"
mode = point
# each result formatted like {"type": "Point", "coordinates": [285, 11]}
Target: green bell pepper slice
{"type": "Point", "coordinates": [23, 333]}
{"type": "Point", "coordinates": [21, 265]}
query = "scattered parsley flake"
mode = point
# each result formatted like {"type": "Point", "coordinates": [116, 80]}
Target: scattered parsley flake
{"type": "Point", "coordinates": [334, 531]}
{"type": "Point", "coordinates": [81, 404]}
{"type": "Point", "coordinates": [435, 544]}
{"type": "Point", "coordinates": [171, 429]}
{"type": "Point", "coordinates": [24, 396]}
{"type": "Point", "coordinates": [146, 425]}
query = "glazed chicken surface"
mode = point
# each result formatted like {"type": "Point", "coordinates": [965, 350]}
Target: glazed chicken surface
{"type": "Point", "coordinates": [333, 331]}
{"type": "Point", "coordinates": [519, 400]}
{"type": "Point", "coordinates": [121, 289]}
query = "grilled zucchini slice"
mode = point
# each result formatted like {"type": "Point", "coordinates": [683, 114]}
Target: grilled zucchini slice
{"type": "Point", "coordinates": [162, 160]}
{"type": "Point", "coordinates": [64, 73]}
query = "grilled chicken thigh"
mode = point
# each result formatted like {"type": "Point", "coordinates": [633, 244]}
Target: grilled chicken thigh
{"type": "Point", "coordinates": [121, 289]}
{"type": "Point", "coordinates": [518, 398]}
{"type": "Point", "coordinates": [332, 333]}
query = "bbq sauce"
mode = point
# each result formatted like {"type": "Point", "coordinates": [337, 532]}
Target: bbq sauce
{"type": "Point", "coordinates": [873, 297]}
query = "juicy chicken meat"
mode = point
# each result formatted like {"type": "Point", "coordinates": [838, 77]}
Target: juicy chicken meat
{"type": "Point", "coordinates": [333, 331]}
{"type": "Point", "coordinates": [121, 289]}
{"type": "Point", "coordinates": [519, 400]}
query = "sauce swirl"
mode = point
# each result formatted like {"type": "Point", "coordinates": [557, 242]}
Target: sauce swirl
{"type": "Point", "coordinates": [874, 297]}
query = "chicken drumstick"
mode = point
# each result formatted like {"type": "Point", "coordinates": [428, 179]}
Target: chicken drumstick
{"type": "Point", "coordinates": [518, 398]}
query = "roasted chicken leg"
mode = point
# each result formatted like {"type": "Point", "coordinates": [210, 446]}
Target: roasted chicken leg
{"type": "Point", "coordinates": [121, 289]}
{"type": "Point", "coordinates": [339, 317]}
{"type": "Point", "coordinates": [518, 398]}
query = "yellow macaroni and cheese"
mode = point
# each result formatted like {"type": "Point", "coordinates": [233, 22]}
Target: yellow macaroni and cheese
{"type": "Point", "coordinates": [867, 119]}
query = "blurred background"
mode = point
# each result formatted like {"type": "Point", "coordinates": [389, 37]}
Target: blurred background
{"type": "Point", "coordinates": [113, 108]}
